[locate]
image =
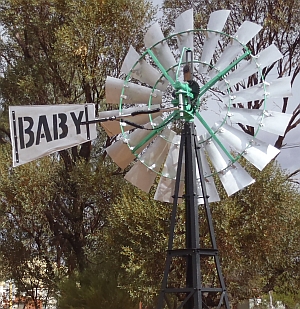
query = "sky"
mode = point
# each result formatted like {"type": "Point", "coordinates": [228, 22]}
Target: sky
{"type": "Point", "coordinates": [157, 2]}
{"type": "Point", "coordinates": [289, 155]}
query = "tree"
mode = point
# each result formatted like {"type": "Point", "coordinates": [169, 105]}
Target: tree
{"type": "Point", "coordinates": [257, 232]}
{"type": "Point", "coordinates": [27, 256]}
{"type": "Point", "coordinates": [290, 300]}
{"type": "Point", "coordinates": [280, 21]}
{"type": "Point", "coordinates": [55, 52]}
{"type": "Point", "coordinates": [96, 287]}
{"type": "Point", "coordinates": [52, 217]}
{"type": "Point", "coordinates": [137, 236]}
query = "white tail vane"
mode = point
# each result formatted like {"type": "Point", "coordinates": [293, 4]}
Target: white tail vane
{"type": "Point", "coordinates": [223, 65]}
{"type": "Point", "coordinates": [39, 130]}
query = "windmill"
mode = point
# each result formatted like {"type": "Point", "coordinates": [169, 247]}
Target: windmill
{"type": "Point", "coordinates": [182, 116]}
{"type": "Point", "coordinates": [169, 90]}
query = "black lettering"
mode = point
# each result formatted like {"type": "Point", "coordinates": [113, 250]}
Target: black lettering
{"type": "Point", "coordinates": [62, 125]}
{"type": "Point", "coordinates": [77, 121]}
{"type": "Point", "coordinates": [55, 128]}
{"type": "Point", "coordinates": [43, 124]}
{"type": "Point", "coordinates": [27, 131]}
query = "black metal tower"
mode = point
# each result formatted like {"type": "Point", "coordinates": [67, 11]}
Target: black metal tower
{"type": "Point", "coordinates": [192, 294]}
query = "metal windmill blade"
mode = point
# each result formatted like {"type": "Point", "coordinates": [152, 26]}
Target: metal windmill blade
{"type": "Point", "coordinates": [176, 86]}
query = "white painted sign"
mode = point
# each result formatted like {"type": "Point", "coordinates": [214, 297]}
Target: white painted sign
{"type": "Point", "coordinates": [39, 130]}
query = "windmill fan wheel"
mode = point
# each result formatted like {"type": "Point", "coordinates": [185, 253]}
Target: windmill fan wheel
{"type": "Point", "coordinates": [200, 76]}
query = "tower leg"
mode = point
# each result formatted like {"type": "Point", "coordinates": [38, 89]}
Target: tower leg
{"type": "Point", "coordinates": [191, 296]}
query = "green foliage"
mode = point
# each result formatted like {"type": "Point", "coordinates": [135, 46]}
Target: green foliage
{"type": "Point", "coordinates": [137, 235]}
{"type": "Point", "coordinates": [56, 52]}
{"type": "Point", "coordinates": [258, 232]}
{"type": "Point", "coordinates": [55, 209]}
{"type": "Point", "coordinates": [290, 300]}
{"type": "Point", "coordinates": [96, 287]}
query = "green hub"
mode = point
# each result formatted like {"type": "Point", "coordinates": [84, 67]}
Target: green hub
{"type": "Point", "coordinates": [183, 100]}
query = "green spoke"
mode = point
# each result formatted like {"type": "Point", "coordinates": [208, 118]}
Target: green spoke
{"type": "Point", "coordinates": [213, 135]}
{"type": "Point", "coordinates": [214, 80]}
{"type": "Point", "coordinates": [163, 70]}
{"type": "Point", "coordinates": [154, 132]}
